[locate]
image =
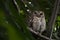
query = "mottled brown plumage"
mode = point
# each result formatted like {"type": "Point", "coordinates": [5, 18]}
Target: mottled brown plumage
{"type": "Point", "coordinates": [38, 21]}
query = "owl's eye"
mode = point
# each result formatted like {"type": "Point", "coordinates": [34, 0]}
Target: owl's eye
{"type": "Point", "coordinates": [35, 13]}
{"type": "Point", "coordinates": [41, 13]}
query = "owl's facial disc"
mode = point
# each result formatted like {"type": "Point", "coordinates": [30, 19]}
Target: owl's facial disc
{"type": "Point", "coordinates": [38, 13]}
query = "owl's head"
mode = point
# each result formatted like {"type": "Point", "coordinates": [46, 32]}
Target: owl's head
{"type": "Point", "coordinates": [39, 13]}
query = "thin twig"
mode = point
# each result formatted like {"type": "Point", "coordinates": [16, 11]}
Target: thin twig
{"type": "Point", "coordinates": [17, 6]}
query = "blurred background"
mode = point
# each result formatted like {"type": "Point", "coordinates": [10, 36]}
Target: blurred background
{"type": "Point", "coordinates": [15, 13]}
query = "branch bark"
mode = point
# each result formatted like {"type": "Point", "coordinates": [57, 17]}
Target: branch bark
{"type": "Point", "coordinates": [38, 34]}
{"type": "Point", "coordinates": [53, 18]}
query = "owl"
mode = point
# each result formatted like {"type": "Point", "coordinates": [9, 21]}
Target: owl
{"type": "Point", "coordinates": [38, 21]}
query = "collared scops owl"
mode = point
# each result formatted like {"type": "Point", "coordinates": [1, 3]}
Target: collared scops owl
{"type": "Point", "coordinates": [38, 21]}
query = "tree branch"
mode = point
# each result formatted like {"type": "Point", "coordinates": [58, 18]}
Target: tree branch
{"type": "Point", "coordinates": [38, 34]}
{"type": "Point", "coordinates": [53, 18]}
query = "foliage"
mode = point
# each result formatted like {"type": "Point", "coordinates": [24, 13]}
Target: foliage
{"type": "Point", "coordinates": [13, 24]}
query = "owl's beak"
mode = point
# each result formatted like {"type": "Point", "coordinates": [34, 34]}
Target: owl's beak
{"type": "Point", "coordinates": [38, 15]}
